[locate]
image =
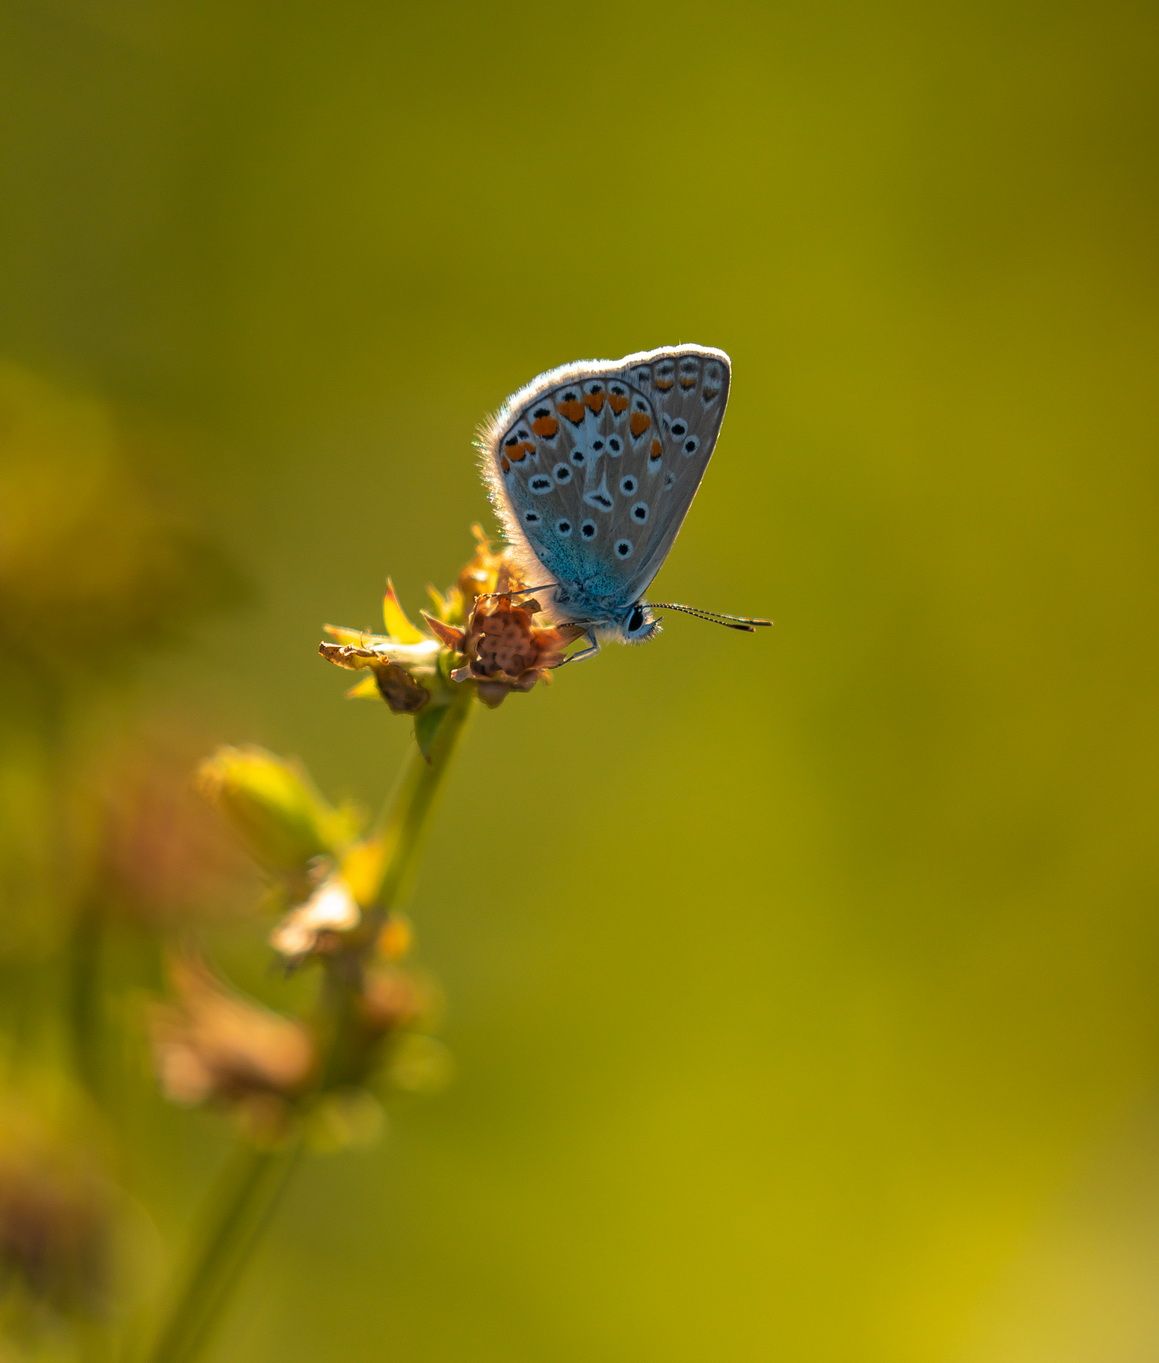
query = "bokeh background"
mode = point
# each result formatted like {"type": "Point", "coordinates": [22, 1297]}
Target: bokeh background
{"type": "Point", "coordinates": [817, 1016]}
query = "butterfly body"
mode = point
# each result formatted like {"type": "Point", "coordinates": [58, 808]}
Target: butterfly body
{"type": "Point", "coordinates": [592, 468]}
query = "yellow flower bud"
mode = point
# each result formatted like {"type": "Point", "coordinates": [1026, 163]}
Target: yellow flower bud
{"type": "Point", "coordinates": [280, 816]}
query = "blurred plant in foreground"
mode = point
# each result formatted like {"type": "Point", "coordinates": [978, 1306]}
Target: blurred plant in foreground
{"type": "Point", "coordinates": [97, 561]}
{"type": "Point", "coordinates": [105, 857]}
{"type": "Point", "coordinates": [102, 565]}
{"type": "Point", "coordinates": [57, 1213]}
{"type": "Point", "coordinates": [335, 880]}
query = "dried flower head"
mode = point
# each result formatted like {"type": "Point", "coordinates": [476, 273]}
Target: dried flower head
{"type": "Point", "coordinates": [320, 926]}
{"type": "Point", "coordinates": [213, 1045]}
{"type": "Point", "coordinates": [485, 633]}
{"type": "Point", "coordinates": [403, 663]}
{"type": "Point", "coordinates": [502, 647]}
{"type": "Point", "coordinates": [404, 675]}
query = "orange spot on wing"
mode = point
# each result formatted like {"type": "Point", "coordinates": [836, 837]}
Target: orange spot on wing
{"type": "Point", "coordinates": [518, 453]}
{"type": "Point", "coordinates": [664, 384]}
{"type": "Point", "coordinates": [505, 464]}
{"type": "Point", "coordinates": [594, 402]}
{"type": "Point", "coordinates": [617, 402]}
{"type": "Point", "coordinates": [638, 423]}
{"type": "Point", "coordinates": [710, 393]}
{"type": "Point", "coordinates": [657, 449]}
{"type": "Point", "coordinates": [687, 383]}
{"type": "Point", "coordinates": [574, 411]}
{"type": "Point", "coordinates": [545, 426]}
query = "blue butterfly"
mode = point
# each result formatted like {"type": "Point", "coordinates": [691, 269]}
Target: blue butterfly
{"type": "Point", "coordinates": [592, 468]}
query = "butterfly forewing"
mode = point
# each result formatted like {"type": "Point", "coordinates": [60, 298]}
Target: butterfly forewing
{"type": "Point", "coordinates": [593, 468]}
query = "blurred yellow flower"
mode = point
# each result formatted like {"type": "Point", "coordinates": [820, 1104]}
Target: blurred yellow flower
{"type": "Point", "coordinates": [274, 806]}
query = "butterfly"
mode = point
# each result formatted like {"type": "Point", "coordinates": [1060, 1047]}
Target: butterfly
{"type": "Point", "coordinates": [592, 467]}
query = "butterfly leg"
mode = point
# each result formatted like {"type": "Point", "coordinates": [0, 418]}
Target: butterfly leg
{"type": "Point", "coordinates": [590, 652]}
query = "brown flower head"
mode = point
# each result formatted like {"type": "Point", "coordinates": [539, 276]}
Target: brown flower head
{"type": "Point", "coordinates": [503, 648]}
{"type": "Point", "coordinates": [213, 1045]}
{"type": "Point", "coordinates": [483, 619]}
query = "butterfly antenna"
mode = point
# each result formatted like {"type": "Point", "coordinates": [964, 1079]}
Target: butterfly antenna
{"type": "Point", "coordinates": [748, 624]}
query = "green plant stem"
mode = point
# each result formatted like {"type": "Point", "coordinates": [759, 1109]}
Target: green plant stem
{"type": "Point", "coordinates": [251, 1190]}
{"type": "Point", "coordinates": [403, 821]}
{"type": "Point", "coordinates": [400, 828]}
{"type": "Point", "coordinates": [246, 1198]}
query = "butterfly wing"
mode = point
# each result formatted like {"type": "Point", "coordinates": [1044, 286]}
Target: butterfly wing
{"type": "Point", "coordinates": [687, 387]}
{"type": "Point", "coordinates": [593, 467]}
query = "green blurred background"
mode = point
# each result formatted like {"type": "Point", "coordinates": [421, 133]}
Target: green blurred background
{"type": "Point", "coordinates": [817, 1017]}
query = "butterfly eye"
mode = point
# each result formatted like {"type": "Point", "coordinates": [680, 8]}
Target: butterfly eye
{"type": "Point", "coordinates": [636, 619]}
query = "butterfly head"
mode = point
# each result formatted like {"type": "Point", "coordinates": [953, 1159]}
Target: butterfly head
{"type": "Point", "coordinates": [638, 624]}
